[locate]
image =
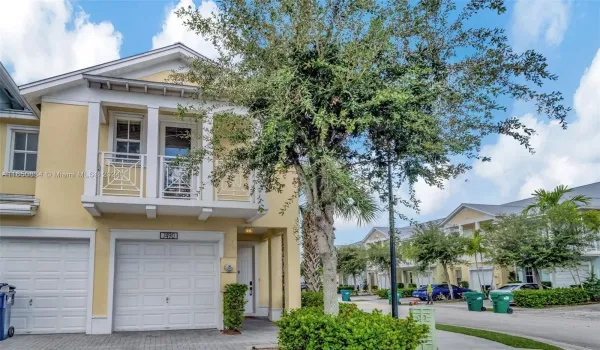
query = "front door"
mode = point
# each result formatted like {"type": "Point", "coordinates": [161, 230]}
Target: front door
{"type": "Point", "coordinates": [246, 275]}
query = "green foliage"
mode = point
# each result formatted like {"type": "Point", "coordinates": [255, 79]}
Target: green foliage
{"type": "Point", "coordinates": [546, 200]}
{"type": "Point", "coordinates": [233, 305]}
{"type": "Point", "coordinates": [335, 91]}
{"type": "Point", "coordinates": [547, 283]}
{"type": "Point", "coordinates": [374, 287]}
{"type": "Point", "coordinates": [550, 297]}
{"type": "Point", "coordinates": [412, 285]}
{"type": "Point", "coordinates": [378, 255]}
{"type": "Point", "coordinates": [310, 328]}
{"type": "Point", "coordinates": [404, 293]}
{"type": "Point", "coordinates": [506, 339]}
{"type": "Point", "coordinates": [400, 285]}
{"type": "Point", "coordinates": [592, 286]}
{"type": "Point", "coordinates": [464, 284]}
{"type": "Point", "coordinates": [352, 260]}
{"type": "Point", "coordinates": [515, 281]}
{"type": "Point", "coordinates": [340, 287]}
{"type": "Point", "coordinates": [311, 299]}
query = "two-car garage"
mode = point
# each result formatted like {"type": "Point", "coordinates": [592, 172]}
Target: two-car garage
{"type": "Point", "coordinates": [152, 284]}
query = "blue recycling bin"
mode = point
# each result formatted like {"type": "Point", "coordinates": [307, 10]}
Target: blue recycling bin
{"type": "Point", "coordinates": [346, 294]}
{"type": "Point", "coordinates": [7, 300]}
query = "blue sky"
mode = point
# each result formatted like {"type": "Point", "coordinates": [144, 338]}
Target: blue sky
{"type": "Point", "coordinates": [63, 35]}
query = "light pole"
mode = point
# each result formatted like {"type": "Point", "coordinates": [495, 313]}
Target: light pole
{"type": "Point", "coordinates": [394, 285]}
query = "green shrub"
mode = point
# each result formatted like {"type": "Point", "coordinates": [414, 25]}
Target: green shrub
{"type": "Point", "coordinates": [464, 284]}
{"type": "Point", "coordinates": [234, 300]}
{"type": "Point", "coordinates": [311, 299]}
{"type": "Point", "coordinates": [310, 329]}
{"type": "Point", "coordinates": [340, 287]}
{"type": "Point", "coordinates": [515, 281]}
{"type": "Point", "coordinates": [547, 283]}
{"type": "Point", "coordinates": [550, 297]}
{"type": "Point", "coordinates": [400, 285]}
{"type": "Point", "coordinates": [404, 293]}
{"type": "Point", "coordinates": [374, 287]}
{"type": "Point", "coordinates": [412, 285]}
{"type": "Point", "coordinates": [382, 293]}
{"type": "Point", "coordinates": [592, 287]}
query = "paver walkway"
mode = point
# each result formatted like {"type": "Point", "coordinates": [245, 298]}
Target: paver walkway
{"type": "Point", "coordinates": [257, 331]}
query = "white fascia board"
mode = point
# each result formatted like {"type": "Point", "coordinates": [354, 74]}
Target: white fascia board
{"type": "Point", "coordinates": [177, 50]}
{"type": "Point", "coordinates": [18, 115]}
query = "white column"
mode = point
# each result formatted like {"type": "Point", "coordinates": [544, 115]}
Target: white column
{"type": "Point", "coordinates": [207, 164]}
{"type": "Point", "coordinates": [91, 149]}
{"type": "Point", "coordinates": [477, 225]}
{"type": "Point", "coordinates": [152, 153]}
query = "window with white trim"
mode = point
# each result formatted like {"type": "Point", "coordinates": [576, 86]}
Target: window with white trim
{"type": "Point", "coordinates": [22, 148]}
{"type": "Point", "coordinates": [128, 137]}
{"type": "Point", "coordinates": [528, 275]}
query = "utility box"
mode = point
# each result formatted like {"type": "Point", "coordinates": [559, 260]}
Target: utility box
{"type": "Point", "coordinates": [426, 315]}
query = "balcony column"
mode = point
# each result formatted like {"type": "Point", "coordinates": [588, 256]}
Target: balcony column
{"type": "Point", "coordinates": [207, 163]}
{"type": "Point", "coordinates": [476, 226]}
{"type": "Point", "coordinates": [91, 149]}
{"type": "Point", "coordinates": [275, 277]}
{"type": "Point", "coordinates": [152, 153]}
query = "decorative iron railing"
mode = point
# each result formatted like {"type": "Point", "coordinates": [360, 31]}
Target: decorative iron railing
{"type": "Point", "coordinates": [121, 174]}
{"type": "Point", "coordinates": [176, 181]}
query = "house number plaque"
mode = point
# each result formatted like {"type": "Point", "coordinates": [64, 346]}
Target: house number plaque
{"type": "Point", "coordinates": [169, 235]}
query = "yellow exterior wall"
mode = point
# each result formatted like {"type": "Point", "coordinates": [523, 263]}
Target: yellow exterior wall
{"type": "Point", "coordinates": [159, 77]}
{"type": "Point", "coordinates": [263, 274]}
{"type": "Point", "coordinates": [62, 150]}
{"type": "Point", "coordinates": [14, 184]}
{"type": "Point", "coordinates": [465, 215]}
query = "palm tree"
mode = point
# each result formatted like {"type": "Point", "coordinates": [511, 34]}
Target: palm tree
{"type": "Point", "coordinates": [475, 247]}
{"type": "Point", "coordinates": [550, 199]}
{"type": "Point", "coordinates": [352, 202]}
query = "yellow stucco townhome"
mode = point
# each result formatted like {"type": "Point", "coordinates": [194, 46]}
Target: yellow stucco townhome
{"type": "Point", "coordinates": [465, 219]}
{"type": "Point", "coordinates": [100, 233]}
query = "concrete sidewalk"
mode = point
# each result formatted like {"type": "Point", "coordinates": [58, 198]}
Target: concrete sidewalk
{"type": "Point", "coordinates": [455, 341]}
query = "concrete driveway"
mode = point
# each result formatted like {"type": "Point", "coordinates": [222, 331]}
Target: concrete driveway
{"type": "Point", "coordinates": [576, 327]}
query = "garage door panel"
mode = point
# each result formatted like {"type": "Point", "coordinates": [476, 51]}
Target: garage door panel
{"type": "Point", "coordinates": [166, 269]}
{"type": "Point", "coordinates": [51, 276]}
{"type": "Point", "coordinates": [204, 319]}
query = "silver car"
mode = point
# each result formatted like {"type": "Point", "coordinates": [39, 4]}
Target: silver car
{"type": "Point", "coordinates": [509, 288]}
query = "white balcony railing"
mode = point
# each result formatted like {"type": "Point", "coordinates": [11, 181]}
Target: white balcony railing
{"type": "Point", "coordinates": [176, 181]}
{"type": "Point", "coordinates": [121, 174]}
{"type": "Point", "coordinates": [593, 247]}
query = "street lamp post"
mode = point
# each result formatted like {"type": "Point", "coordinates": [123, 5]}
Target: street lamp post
{"type": "Point", "coordinates": [394, 285]}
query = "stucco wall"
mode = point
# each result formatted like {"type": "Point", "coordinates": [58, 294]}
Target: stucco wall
{"type": "Point", "coordinates": [466, 215]}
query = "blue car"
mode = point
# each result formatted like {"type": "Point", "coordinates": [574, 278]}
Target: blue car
{"type": "Point", "coordinates": [440, 290]}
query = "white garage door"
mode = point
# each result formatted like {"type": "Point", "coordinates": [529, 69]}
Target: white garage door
{"type": "Point", "coordinates": [165, 285]}
{"type": "Point", "coordinates": [51, 277]}
{"type": "Point", "coordinates": [486, 275]}
{"type": "Point", "coordinates": [423, 278]}
{"type": "Point", "coordinates": [568, 277]}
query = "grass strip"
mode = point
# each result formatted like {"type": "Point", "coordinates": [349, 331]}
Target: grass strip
{"type": "Point", "coordinates": [503, 338]}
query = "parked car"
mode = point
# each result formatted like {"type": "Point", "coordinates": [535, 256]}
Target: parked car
{"type": "Point", "coordinates": [303, 286]}
{"type": "Point", "coordinates": [511, 287]}
{"type": "Point", "coordinates": [439, 290]}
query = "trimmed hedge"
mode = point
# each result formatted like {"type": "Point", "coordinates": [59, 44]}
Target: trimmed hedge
{"type": "Point", "coordinates": [310, 329]}
{"type": "Point", "coordinates": [464, 284]}
{"type": "Point", "coordinates": [404, 293]}
{"type": "Point", "coordinates": [550, 297]}
{"type": "Point", "coordinates": [344, 287]}
{"type": "Point", "coordinates": [311, 299]}
{"type": "Point", "coordinates": [234, 299]}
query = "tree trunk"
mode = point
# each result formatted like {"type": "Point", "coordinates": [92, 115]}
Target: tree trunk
{"type": "Point", "coordinates": [537, 277]}
{"type": "Point", "coordinates": [326, 237]}
{"type": "Point", "coordinates": [445, 267]}
{"type": "Point", "coordinates": [310, 252]}
{"type": "Point", "coordinates": [478, 273]}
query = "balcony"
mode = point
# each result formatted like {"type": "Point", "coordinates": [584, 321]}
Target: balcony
{"type": "Point", "coordinates": [593, 249]}
{"type": "Point", "coordinates": [125, 184]}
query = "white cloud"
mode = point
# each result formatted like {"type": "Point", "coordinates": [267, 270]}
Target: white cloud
{"type": "Point", "coordinates": [533, 19]}
{"type": "Point", "coordinates": [43, 38]}
{"type": "Point", "coordinates": [433, 198]}
{"type": "Point", "coordinates": [174, 31]}
{"type": "Point", "coordinates": [570, 157]}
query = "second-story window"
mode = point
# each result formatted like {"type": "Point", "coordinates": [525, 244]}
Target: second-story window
{"type": "Point", "coordinates": [128, 137]}
{"type": "Point", "coordinates": [22, 148]}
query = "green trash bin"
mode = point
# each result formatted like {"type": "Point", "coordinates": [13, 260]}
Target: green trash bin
{"type": "Point", "coordinates": [475, 301]}
{"type": "Point", "coordinates": [501, 302]}
{"type": "Point", "coordinates": [346, 294]}
{"type": "Point", "coordinates": [389, 293]}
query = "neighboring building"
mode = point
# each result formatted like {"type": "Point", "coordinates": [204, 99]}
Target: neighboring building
{"type": "Point", "coordinates": [465, 219]}
{"type": "Point", "coordinates": [99, 232]}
